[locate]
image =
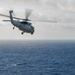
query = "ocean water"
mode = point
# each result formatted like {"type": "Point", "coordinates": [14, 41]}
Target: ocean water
{"type": "Point", "coordinates": [37, 57]}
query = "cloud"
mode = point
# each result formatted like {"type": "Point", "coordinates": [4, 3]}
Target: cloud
{"type": "Point", "coordinates": [69, 28]}
{"type": "Point", "coordinates": [61, 10]}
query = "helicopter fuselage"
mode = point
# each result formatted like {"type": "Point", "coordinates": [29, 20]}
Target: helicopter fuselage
{"type": "Point", "coordinates": [23, 26]}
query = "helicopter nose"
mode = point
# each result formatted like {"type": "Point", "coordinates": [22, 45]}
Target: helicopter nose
{"type": "Point", "coordinates": [32, 32]}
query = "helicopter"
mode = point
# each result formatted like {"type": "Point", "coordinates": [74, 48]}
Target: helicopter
{"type": "Point", "coordinates": [25, 26]}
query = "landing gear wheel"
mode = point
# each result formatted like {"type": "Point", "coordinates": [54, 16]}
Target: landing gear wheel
{"type": "Point", "coordinates": [22, 33]}
{"type": "Point", "coordinates": [31, 33]}
{"type": "Point", "coordinates": [13, 27]}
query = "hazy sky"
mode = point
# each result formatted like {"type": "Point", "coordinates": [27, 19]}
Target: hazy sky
{"type": "Point", "coordinates": [61, 10]}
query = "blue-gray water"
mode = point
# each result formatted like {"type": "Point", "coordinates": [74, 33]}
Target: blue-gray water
{"type": "Point", "coordinates": [37, 57]}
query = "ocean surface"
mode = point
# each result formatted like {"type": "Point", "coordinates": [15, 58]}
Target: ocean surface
{"type": "Point", "coordinates": [37, 57]}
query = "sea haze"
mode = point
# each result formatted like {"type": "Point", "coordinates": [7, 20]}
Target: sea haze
{"type": "Point", "coordinates": [37, 57]}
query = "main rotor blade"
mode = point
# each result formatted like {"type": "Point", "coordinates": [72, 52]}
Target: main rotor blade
{"type": "Point", "coordinates": [4, 15]}
{"type": "Point", "coordinates": [52, 21]}
{"type": "Point", "coordinates": [44, 21]}
{"type": "Point", "coordinates": [9, 16]}
{"type": "Point", "coordinates": [28, 12]}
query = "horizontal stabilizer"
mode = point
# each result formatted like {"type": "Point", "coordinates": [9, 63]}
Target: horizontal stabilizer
{"type": "Point", "coordinates": [6, 20]}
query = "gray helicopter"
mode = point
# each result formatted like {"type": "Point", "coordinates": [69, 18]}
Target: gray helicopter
{"type": "Point", "coordinates": [24, 25]}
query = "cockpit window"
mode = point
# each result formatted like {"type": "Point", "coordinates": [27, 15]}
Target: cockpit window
{"type": "Point", "coordinates": [23, 22]}
{"type": "Point", "coordinates": [26, 23]}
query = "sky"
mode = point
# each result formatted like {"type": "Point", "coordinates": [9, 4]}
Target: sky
{"type": "Point", "coordinates": [62, 11]}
